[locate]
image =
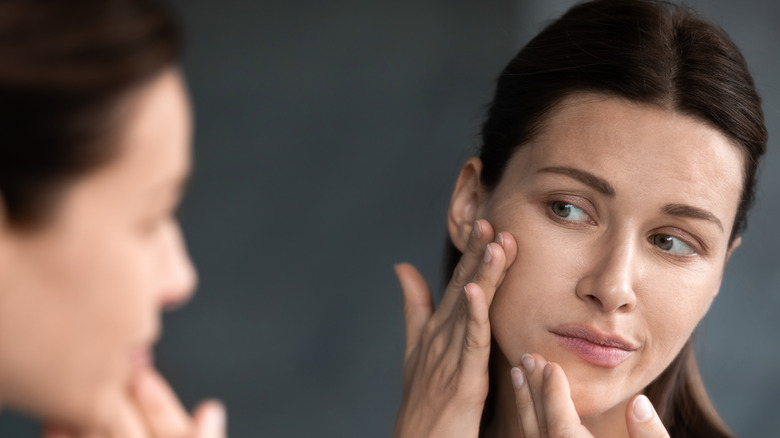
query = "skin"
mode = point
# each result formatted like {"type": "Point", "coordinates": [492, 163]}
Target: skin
{"type": "Point", "coordinates": [606, 263]}
{"type": "Point", "coordinates": [81, 298]}
{"type": "Point", "coordinates": [447, 351]}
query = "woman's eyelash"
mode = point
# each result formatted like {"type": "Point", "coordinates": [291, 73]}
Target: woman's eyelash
{"type": "Point", "coordinates": [672, 244]}
{"type": "Point", "coordinates": [678, 242]}
{"type": "Point", "coordinates": [569, 211]}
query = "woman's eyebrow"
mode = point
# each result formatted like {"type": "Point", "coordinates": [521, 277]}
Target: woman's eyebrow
{"type": "Point", "coordinates": [584, 177]}
{"type": "Point", "coordinates": [682, 210]}
{"type": "Point", "coordinates": [602, 186]}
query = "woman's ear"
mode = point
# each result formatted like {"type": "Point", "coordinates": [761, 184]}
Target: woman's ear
{"type": "Point", "coordinates": [734, 245]}
{"type": "Point", "coordinates": [466, 203]}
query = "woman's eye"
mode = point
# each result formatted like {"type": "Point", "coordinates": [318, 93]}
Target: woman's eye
{"type": "Point", "coordinates": [569, 212]}
{"type": "Point", "coordinates": [672, 244]}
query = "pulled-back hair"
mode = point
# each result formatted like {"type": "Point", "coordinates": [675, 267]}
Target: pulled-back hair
{"type": "Point", "coordinates": [650, 52]}
{"type": "Point", "coordinates": [64, 69]}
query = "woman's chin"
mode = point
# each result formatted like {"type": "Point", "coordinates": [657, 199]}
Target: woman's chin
{"type": "Point", "coordinates": [592, 400]}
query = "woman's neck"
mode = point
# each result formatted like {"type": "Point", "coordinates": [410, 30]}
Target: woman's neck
{"type": "Point", "coordinates": [504, 423]}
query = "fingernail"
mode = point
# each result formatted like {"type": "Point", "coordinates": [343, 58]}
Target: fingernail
{"type": "Point", "coordinates": [477, 229]}
{"type": "Point", "coordinates": [643, 410]}
{"type": "Point", "coordinates": [215, 419]}
{"type": "Point", "coordinates": [528, 363]}
{"type": "Point", "coordinates": [488, 254]}
{"type": "Point", "coordinates": [517, 377]}
{"type": "Point", "coordinates": [500, 239]}
{"type": "Point", "coordinates": [547, 370]}
{"type": "Point", "coordinates": [466, 291]}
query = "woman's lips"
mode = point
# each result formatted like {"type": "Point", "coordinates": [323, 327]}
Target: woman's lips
{"type": "Point", "coordinates": [593, 346]}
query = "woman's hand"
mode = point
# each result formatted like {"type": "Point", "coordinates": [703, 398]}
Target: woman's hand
{"type": "Point", "coordinates": [545, 407]}
{"type": "Point", "coordinates": [154, 411]}
{"type": "Point", "coordinates": [447, 351]}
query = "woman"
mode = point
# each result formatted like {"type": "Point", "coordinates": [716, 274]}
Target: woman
{"type": "Point", "coordinates": [95, 150]}
{"type": "Point", "coordinates": [617, 166]}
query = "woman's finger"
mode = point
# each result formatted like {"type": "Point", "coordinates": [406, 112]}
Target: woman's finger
{"type": "Point", "coordinates": [642, 420]}
{"type": "Point", "coordinates": [524, 403]}
{"type": "Point", "coordinates": [476, 343]}
{"type": "Point", "coordinates": [497, 259]}
{"type": "Point", "coordinates": [481, 235]}
{"type": "Point", "coordinates": [559, 411]}
{"type": "Point", "coordinates": [210, 420]}
{"type": "Point", "coordinates": [418, 303]}
{"type": "Point", "coordinates": [533, 365]}
{"type": "Point", "coordinates": [491, 269]}
{"type": "Point", "coordinates": [479, 294]}
{"type": "Point", "coordinates": [158, 405]}
{"type": "Point", "coordinates": [509, 245]}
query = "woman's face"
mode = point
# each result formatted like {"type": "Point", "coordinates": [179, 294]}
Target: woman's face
{"type": "Point", "coordinates": [622, 214]}
{"type": "Point", "coordinates": [80, 299]}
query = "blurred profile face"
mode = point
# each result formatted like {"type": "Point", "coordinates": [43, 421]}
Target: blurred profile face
{"type": "Point", "coordinates": [80, 299]}
{"type": "Point", "coordinates": [622, 214]}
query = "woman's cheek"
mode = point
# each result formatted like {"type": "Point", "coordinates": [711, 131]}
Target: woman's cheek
{"type": "Point", "coordinates": [672, 303]}
{"type": "Point", "coordinates": [538, 287]}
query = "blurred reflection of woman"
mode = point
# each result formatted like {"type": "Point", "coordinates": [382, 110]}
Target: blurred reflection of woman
{"type": "Point", "coordinates": [94, 153]}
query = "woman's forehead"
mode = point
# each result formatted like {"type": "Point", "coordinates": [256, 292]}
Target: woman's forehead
{"type": "Point", "coordinates": [638, 149]}
{"type": "Point", "coordinates": [155, 142]}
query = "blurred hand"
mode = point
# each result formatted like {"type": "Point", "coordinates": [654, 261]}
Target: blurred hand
{"type": "Point", "coordinates": [545, 407]}
{"type": "Point", "coordinates": [154, 411]}
{"type": "Point", "coordinates": [447, 351]}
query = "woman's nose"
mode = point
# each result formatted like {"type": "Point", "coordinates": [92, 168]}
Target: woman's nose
{"type": "Point", "coordinates": [610, 280]}
{"type": "Point", "coordinates": [179, 277]}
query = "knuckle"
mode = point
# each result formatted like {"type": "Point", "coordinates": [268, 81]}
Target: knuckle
{"type": "Point", "coordinates": [468, 395]}
{"type": "Point", "coordinates": [438, 347]}
{"type": "Point", "coordinates": [461, 275]}
{"type": "Point", "coordinates": [475, 243]}
{"type": "Point", "coordinates": [484, 279]}
{"type": "Point", "coordinates": [524, 404]}
{"type": "Point", "coordinates": [474, 342]}
{"type": "Point", "coordinates": [478, 276]}
{"type": "Point", "coordinates": [453, 385]}
{"type": "Point", "coordinates": [461, 312]}
{"type": "Point", "coordinates": [430, 329]}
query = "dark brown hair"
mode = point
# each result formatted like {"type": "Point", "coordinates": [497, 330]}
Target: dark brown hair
{"type": "Point", "coordinates": [65, 67]}
{"type": "Point", "coordinates": [650, 52]}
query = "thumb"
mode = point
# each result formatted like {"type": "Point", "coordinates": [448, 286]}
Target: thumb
{"type": "Point", "coordinates": [418, 303]}
{"type": "Point", "coordinates": [642, 420]}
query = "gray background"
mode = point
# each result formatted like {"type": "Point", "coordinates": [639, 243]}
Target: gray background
{"type": "Point", "coordinates": [328, 138]}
